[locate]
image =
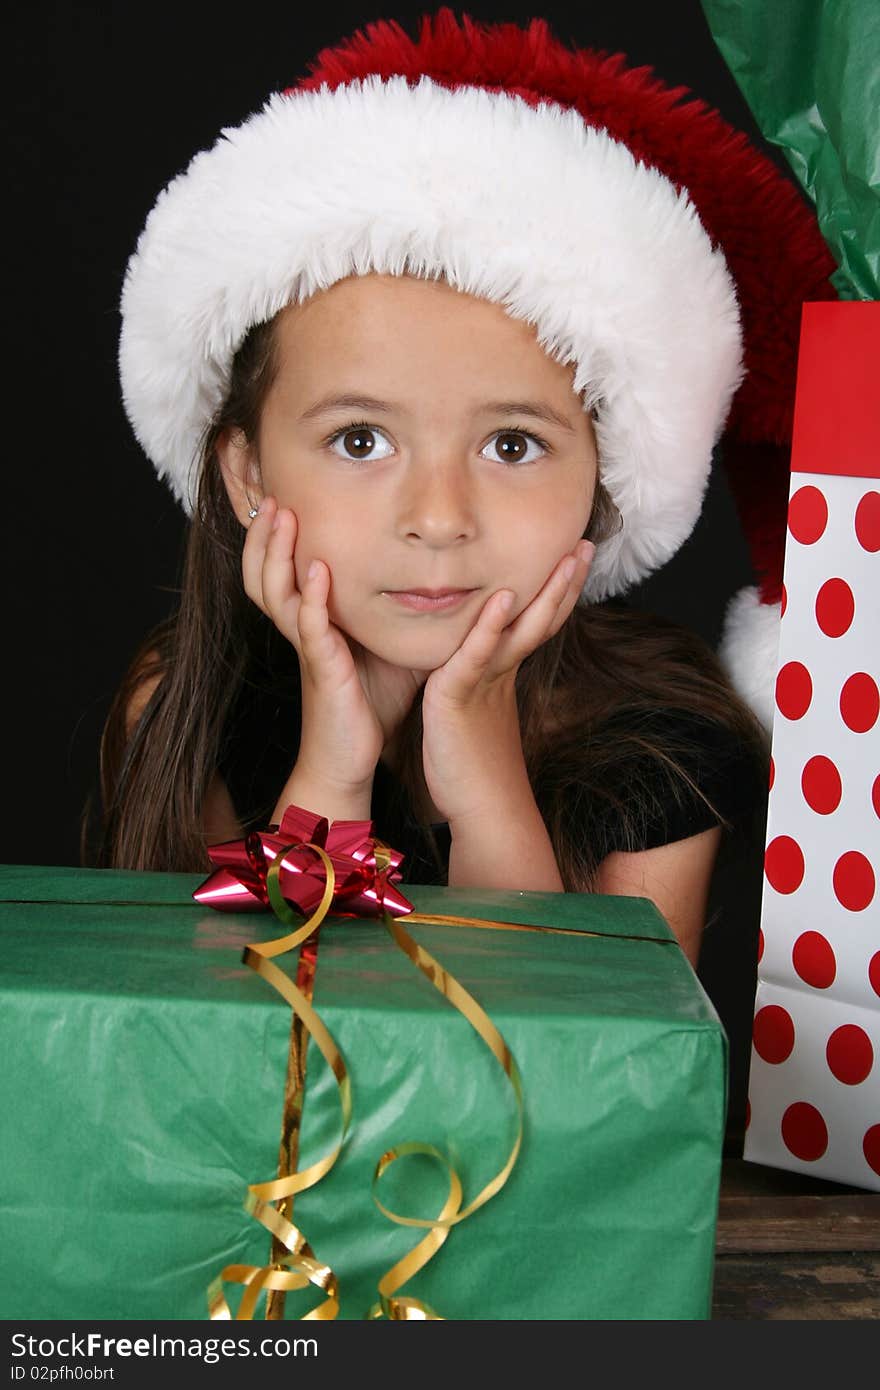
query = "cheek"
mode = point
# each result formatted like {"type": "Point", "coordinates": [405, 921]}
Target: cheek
{"type": "Point", "coordinates": [323, 534]}
{"type": "Point", "coordinates": [549, 535]}
{"type": "Point", "coordinates": [352, 580]}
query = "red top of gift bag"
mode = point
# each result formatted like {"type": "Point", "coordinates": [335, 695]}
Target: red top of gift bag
{"type": "Point", "coordinates": [837, 402]}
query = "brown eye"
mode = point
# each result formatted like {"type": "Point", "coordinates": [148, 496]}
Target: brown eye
{"type": "Point", "coordinates": [359, 443]}
{"type": "Point", "coordinates": [512, 446]}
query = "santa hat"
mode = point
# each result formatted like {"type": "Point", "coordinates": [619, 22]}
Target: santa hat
{"type": "Point", "coordinates": [650, 245]}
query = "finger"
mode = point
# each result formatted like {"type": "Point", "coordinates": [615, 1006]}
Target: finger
{"type": "Point", "coordinates": [584, 552]}
{"type": "Point", "coordinates": [313, 621]}
{"type": "Point", "coordinates": [254, 551]}
{"type": "Point", "coordinates": [551, 605]}
{"type": "Point", "coordinates": [280, 594]}
{"type": "Point", "coordinates": [480, 645]}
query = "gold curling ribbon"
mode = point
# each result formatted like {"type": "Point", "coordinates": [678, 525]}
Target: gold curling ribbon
{"type": "Point", "coordinates": [452, 1213]}
{"type": "Point", "coordinates": [299, 1266]}
{"type": "Point", "coordinates": [291, 1113]}
{"type": "Point", "coordinates": [407, 1308]}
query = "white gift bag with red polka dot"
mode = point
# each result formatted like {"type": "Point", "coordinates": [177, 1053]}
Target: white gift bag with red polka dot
{"type": "Point", "coordinates": [814, 1084]}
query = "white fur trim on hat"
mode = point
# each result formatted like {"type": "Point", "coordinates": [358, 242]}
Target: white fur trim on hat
{"type": "Point", "coordinates": [749, 651]}
{"type": "Point", "coordinates": [525, 206]}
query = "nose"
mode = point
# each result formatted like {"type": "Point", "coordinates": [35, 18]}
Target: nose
{"type": "Point", "coordinates": [435, 501]}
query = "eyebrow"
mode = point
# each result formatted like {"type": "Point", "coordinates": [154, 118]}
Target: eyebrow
{"type": "Point", "coordinates": [538, 410]}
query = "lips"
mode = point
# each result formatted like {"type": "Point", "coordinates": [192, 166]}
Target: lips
{"type": "Point", "coordinates": [428, 600]}
{"type": "Point", "coordinates": [431, 593]}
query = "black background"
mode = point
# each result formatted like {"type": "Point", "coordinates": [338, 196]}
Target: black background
{"type": "Point", "coordinates": [107, 103]}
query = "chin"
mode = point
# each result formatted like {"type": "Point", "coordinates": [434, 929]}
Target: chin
{"type": "Point", "coordinates": [414, 650]}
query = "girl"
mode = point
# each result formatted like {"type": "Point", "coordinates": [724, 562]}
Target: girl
{"type": "Point", "coordinates": [436, 369]}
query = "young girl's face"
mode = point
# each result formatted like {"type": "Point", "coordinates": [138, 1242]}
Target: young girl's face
{"type": "Point", "coordinates": [424, 441]}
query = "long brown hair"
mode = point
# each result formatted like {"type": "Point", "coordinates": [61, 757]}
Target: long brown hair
{"type": "Point", "coordinates": [586, 698]}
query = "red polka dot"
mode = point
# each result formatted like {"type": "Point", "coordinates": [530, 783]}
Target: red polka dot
{"type": "Point", "coordinates": [773, 1033]}
{"type": "Point", "coordinates": [874, 973]}
{"type": "Point", "coordinates": [821, 785]}
{"type": "Point", "coordinates": [807, 515]}
{"type": "Point", "coordinates": [784, 864]}
{"type": "Point", "coordinates": [783, 602]}
{"type": "Point", "coordinates": [875, 795]}
{"type": "Point", "coordinates": [868, 522]}
{"type": "Point", "coordinates": [773, 776]}
{"type": "Point", "coordinates": [794, 690]}
{"type": "Point", "coordinates": [853, 881]}
{"type": "Point", "coordinates": [804, 1132]}
{"type": "Point", "coordinates": [871, 1147]}
{"type": "Point", "coordinates": [813, 959]}
{"type": "Point", "coordinates": [835, 607]}
{"type": "Point", "coordinates": [761, 946]}
{"type": "Point", "coordinates": [849, 1054]}
{"type": "Point", "coordinates": [859, 702]}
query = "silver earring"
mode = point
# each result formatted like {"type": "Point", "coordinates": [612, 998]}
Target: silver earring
{"type": "Point", "coordinates": [252, 513]}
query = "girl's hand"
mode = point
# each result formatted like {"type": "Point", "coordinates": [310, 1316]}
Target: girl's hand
{"type": "Point", "coordinates": [472, 748]}
{"type": "Point", "coordinates": [352, 701]}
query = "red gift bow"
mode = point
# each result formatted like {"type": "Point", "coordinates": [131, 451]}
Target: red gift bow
{"type": "Point", "coordinates": [361, 889]}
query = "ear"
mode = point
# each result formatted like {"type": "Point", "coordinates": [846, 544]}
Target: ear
{"type": "Point", "coordinates": [241, 473]}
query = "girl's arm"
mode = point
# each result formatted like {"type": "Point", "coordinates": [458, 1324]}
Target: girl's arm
{"type": "Point", "coordinates": [472, 750]}
{"type": "Point", "coordinates": [512, 850]}
{"type": "Point", "coordinates": [676, 878]}
{"type": "Point", "coordinates": [507, 847]}
{"type": "Point", "coordinates": [323, 797]}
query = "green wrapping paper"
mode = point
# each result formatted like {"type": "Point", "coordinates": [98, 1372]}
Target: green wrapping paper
{"type": "Point", "coordinates": [144, 1080]}
{"type": "Point", "coordinates": [810, 72]}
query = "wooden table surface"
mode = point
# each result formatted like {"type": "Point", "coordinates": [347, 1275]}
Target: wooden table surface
{"type": "Point", "coordinates": [794, 1247]}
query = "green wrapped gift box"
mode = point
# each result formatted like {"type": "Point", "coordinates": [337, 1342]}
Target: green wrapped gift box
{"type": "Point", "coordinates": [143, 1081]}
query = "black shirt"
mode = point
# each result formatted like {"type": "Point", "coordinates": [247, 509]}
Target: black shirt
{"type": "Point", "coordinates": [262, 739]}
